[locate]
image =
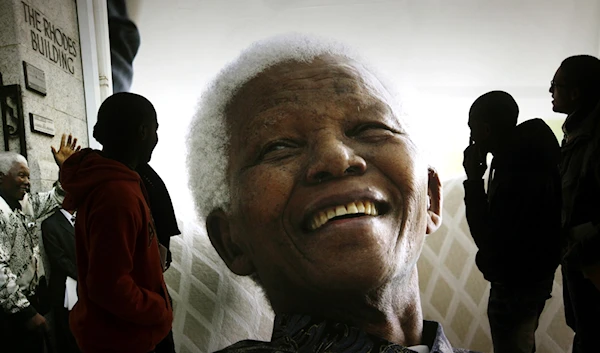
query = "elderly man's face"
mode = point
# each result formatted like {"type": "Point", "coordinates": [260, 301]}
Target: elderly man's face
{"type": "Point", "coordinates": [15, 184]}
{"type": "Point", "coordinates": [327, 191]}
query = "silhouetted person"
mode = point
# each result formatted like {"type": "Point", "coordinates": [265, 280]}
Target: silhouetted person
{"type": "Point", "coordinates": [123, 303]}
{"type": "Point", "coordinates": [576, 91]}
{"type": "Point", "coordinates": [515, 223]}
{"type": "Point", "coordinates": [58, 234]}
{"type": "Point", "coordinates": [124, 45]}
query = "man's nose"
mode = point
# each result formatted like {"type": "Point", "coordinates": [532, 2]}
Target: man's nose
{"type": "Point", "coordinates": [331, 158]}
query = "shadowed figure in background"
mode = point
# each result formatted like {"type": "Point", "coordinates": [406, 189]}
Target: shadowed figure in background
{"type": "Point", "coordinates": [302, 165]}
{"type": "Point", "coordinates": [124, 45]}
{"type": "Point", "coordinates": [516, 222]}
{"type": "Point", "coordinates": [575, 90]}
{"type": "Point", "coordinates": [58, 234]}
{"type": "Point", "coordinates": [123, 303]}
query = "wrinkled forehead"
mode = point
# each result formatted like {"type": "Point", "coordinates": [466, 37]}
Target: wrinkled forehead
{"type": "Point", "coordinates": [288, 80]}
{"type": "Point", "coordinates": [20, 166]}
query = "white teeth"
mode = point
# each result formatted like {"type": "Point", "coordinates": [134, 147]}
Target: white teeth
{"type": "Point", "coordinates": [323, 218]}
{"type": "Point", "coordinates": [360, 207]}
{"type": "Point", "coordinates": [330, 214]}
{"type": "Point", "coordinates": [364, 207]}
{"type": "Point", "coordinates": [352, 208]}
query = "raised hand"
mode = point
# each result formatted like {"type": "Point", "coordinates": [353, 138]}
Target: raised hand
{"type": "Point", "coordinates": [474, 162]}
{"type": "Point", "coordinates": [68, 146]}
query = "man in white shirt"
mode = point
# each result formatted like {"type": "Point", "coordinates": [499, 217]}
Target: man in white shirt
{"type": "Point", "coordinates": [22, 326]}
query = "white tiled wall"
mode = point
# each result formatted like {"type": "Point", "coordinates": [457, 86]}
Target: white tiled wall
{"type": "Point", "coordinates": [455, 293]}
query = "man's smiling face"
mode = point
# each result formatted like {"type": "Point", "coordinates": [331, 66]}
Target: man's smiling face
{"type": "Point", "coordinates": [15, 184]}
{"type": "Point", "coordinates": [328, 194]}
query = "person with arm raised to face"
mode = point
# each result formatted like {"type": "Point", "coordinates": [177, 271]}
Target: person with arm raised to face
{"type": "Point", "coordinates": [515, 222]}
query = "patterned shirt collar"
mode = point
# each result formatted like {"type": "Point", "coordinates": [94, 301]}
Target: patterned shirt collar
{"type": "Point", "coordinates": [304, 330]}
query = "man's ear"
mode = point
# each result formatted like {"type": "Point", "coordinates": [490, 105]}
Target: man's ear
{"type": "Point", "coordinates": [575, 93]}
{"type": "Point", "coordinates": [434, 209]}
{"type": "Point", "coordinates": [219, 233]}
{"type": "Point", "coordinates": [487, 131]}
{"type": "Point", "coordinates": [143, 132]}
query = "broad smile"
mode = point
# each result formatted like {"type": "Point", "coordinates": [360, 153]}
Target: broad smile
{"type": "Point", "coordinates": [352, 209]}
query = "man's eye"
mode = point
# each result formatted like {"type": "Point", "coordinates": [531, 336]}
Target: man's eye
{"type": "Point", "coordinates": [372, 130]}
{"type": "Point", "coordinates": [277, 149]}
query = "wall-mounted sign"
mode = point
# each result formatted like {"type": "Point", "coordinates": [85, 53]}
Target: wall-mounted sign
{"type": "Point", "coordinates": [49, 40]}
{"type": "Point", "coordinates": [35, 79]}
{"type": "Point", "coordinates": [42, 124]}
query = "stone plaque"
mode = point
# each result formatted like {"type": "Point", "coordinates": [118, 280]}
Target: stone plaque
{"type": "Point", "coordinates": [42, 124]}
{"type": "Point", "coordinates": [35, 79]}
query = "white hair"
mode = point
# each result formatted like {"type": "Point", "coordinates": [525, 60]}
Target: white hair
{"type": "Point", "coordinates": [9, 159]}
{"type": "Point", "coordinates": [208, 138]}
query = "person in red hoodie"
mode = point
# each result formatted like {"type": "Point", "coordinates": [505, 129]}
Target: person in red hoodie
{"type": "Point", "coordinates": [123, 304]}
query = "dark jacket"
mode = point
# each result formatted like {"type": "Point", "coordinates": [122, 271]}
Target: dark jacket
{"type": "Point", "coordinates": [580, 171]}
{"type": "Point", "coordinates": [516, 224]}
{"type": "Point", "coordinates": [123, 304]}
{"type": "Point", "coordinates": [161, 207]}
{"type": "Point", "coordinates": [59, 242]}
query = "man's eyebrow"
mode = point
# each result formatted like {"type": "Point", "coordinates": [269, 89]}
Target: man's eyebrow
{"type": "Point", "coordinates": [259, 131]}
{"type": "Point", "coordinates": [384, 107]}
{"type": "Point", "coordinates": [376, 105]}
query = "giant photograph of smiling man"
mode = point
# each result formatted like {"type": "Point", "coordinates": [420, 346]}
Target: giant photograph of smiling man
{"type": "Point", "coordinates": [310, 182]}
